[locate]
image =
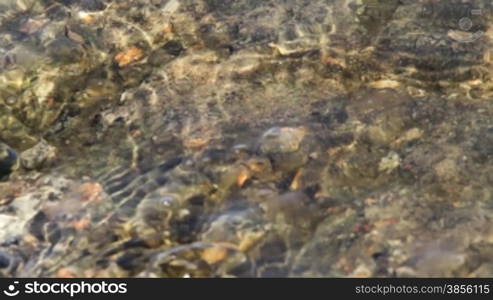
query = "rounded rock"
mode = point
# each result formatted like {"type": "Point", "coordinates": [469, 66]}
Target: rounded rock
{"type": "Point", "coordinates": [38, 156]}
{"type": "Point", "coordinates": [281, 140]}
{"type": "Point", "coordinates": [8, 160]}
{"type": "Point", "coordinates": [5, 260]}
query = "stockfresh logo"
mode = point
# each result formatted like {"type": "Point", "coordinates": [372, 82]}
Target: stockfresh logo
{"type": "Point", "coordinates": [12, 290]}
{"type": "Point", "coordinates": [64, 288]}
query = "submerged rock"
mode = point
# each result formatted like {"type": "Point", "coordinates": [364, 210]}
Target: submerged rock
{"type": "Point", "coordinates": [41, 155]}
{"type": "Point", "coordinates": [8, 160]}
{"type": "Point", "coordinates": [281, 140]}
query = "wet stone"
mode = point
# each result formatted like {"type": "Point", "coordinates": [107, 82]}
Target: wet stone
{"type": "Point", "coordinates": [41, 155]}
{"type": "Point", "coordinates": [64, 51]}
{"type": "Point", "coordinates": [242, 228]}
{"type": "Point", "coordinates": [173, 48]}
{"type": "Point", "coordinates": [4, 260]}
{"type": "Point", "coordinates": [281, 140]}
{"type": "Point", "coordinates": [8, 159]}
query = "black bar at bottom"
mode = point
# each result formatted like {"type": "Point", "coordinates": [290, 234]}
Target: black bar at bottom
{"type": "Point", "coordinates": [111, 288]}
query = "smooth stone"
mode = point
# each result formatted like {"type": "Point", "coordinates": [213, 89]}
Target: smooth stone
{"type": "Point", "coordinates": [8, 159]}
{"type": "Point", "coordinates": [38, 156]}
{"type": "Point", "coordinates": [281, 140]}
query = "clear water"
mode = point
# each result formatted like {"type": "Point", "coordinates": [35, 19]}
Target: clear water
{"type": "Point", "coordinates": [246, 138]}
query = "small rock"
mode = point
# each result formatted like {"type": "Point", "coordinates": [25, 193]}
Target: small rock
{"type": "Point", "coordinates": [447, 170]}
{"type": "Point", "coordinates": [291, 208]}
{"type": "Point", "coordinates": [38, 156]}
{"type": "Point", "coordinates": [240, 229]}
{"type": "Point", "coordinates": [214, 254]}
{"type": "Point", "coordinates": [129, 56]}
{"type": "Point", "coordinates": [90, 191]}
{"type": "Point", "coordinates": [282, 140]}
{"type": "Point", "coordinates": [362, 271]}
{"type": "Point", "coordinates": [64, 50]}
{"type": "Point", "coordinates": [8, 160]}
{"type": "Point", "coordinates": [389, 163]}
{"type": "Point", "coordinates": [160, 57]}
{"type": "Point", "coordinates": [4, 260]}
{"type": "Point", "coordinates": [409, 136]}
{"type": "Point", "coordinates": [173, 48]}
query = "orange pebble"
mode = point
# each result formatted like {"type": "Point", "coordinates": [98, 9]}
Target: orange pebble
{"type": "Point", "coordinates": [168, 29]}
{"type": "Point", "coordinates": [214, 254]}
{"type": "Point", "coordinates": [90, 191]}
{"type": "Point", "coordinates": [129, 56]}
{"type": "Point", "coordinates": [81, 224]}
{"type": "Point", "coordinates": [88, 19]}
{"type": "Point", "coordinates": [196, 143]}
{"type": "Point", "coordinates": [242, 177]}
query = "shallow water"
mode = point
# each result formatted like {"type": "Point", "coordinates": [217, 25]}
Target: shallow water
{"type": "Point", "coordinates": [246, 138]}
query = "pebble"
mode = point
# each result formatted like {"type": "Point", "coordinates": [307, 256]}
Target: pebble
{"type": "Point", "coordinates": [389, 163]}
{"type": "Point", "coordinates": [129, 56]}
{"type": "Point", "coordinates": [64, 50]}
{"type": "Point", "coordinates": [4, 260]}
{"type": "Point", "coordinates": [173, 48]}
{"type": "Point", "coordinates": [8, 160]}
{"type": "Point", "coordinates": [38, 156]}
{"type": "Point", "coordinates": [281, 140]}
